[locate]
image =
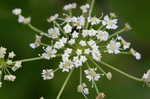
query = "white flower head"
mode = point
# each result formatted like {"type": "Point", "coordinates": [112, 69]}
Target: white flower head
{"type": "Point", "coordinates": [17, 65]}
{"type": "Point", "coordinates": [1, 84]}
{"type": "Point", "coordinates": [110, 23]}
{"type": "Point", "coordinates": [11, 55]}
{"type": "Point", "coordinates": [113, 47]}
{"type": "Point", "coordinates": [17, 11]}
{"type": "Point", "coordinates": [67, 28]}
{"type": "Point", "coordinates": [66, 65]}
{"type": "Point", "coordinates": [75, 34]}
{"type": "Point", "coordinates": [2, 52]}
{"type": "Point", "coordinates": [53, 18]}
{"type": "Point", "coordinates": [70, 6]}
{"type": "Point", "coordinates": [47, 74]}
{"type": "Point", "coordinates": [82, 88]}
{"type": "Point", "coordinates": [71, 41]}
{"type": "Point", "coordinates": [136, 54]}
{"type": "Point", "coordinates": [146, 77]}
{"type": "Point", "coordinates": [37, 42]}
{"type": "Point", "coordinates": [10, 78]}
{"type": "Point", "coordinates": [54, 32]}
{"type": "Point", "coordinates": [49, 53]}
{"type": "Point", "coordinates": [83, 43]}
{"type": "Point", "coordinates": [102, 35]}
{"type": "Point", "coordinates": [94, 20]}
{"type": "Point", "coordinates": [91, 74]}
{"type": "Point", "coordinates": [85, 8]}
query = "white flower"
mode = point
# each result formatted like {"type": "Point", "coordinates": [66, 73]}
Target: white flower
{"type": "Point", "coordinates": [2, 52]}
{"type": "Point", "coordinates": [75, 34]}
{"type": "Point", "coordinates": [21, 19]}
{"type": "Point", "coordinates": [87, 51]}
{"type": "Point", "coordinates": [82, 88]}
{"type": "Point", "coordinates": [110, 23]}
{"type": "Point", "coordinates": [1, 84]}
{"type": "Point", "coordinates": [67, 28]}
{"type": "Point", "coordinates": [91, 43]}
{"type": "Point", "coordinates": [113, 47]}
{"type": "Point", "coordinates": [17, 65]}
{"type": "Point", "coordinates": [136, 54]}
{"type": "Point", "coordinates": [53, 18]}
{"type": "Point", "coordinates": [11, 55]}
{"type": "Point", "coordinates": [77, 62]}
{"type": "Point", "coordinates": [37, 42]}
{"type": "Point", "coordinates": [78, 52]}
{"type": "Point", "coordinates": [126, 44]}
{"type": "Point", "coordinates": [85, 8]}
{"type": "Point", "coordinates": [94, 20]}
{"type": "Point", "coordinates": [146, 77]}
{"type": "Point", "coordinates": [70, 6]}
{"type": "Point", "coordinates": [10, 78]}
{"type": "Point", "coordinates": [66, 65]}
{"type": "Point", "coordinates": [96, 55]}
{"type": "Point", "coordinates": [17, 11]}
{"type": "Point", "coordinates": [9, 62]}
{"type": "Point", "coordinates": [61, 43]}
{"type": "Point", "coordinates": [71, 41]}
{"type": "Point", "coordinates": [49, 53]}
{"type": "Point", "coordinates": [91, 74]}
{"type": "Point", "coordinates": [102, 35]}
{"type": "Point", "coordinates": [54, 32]}
{"type": "Point", "coordinates": [41, 97]}
{"type": "Point", "coordinates": [47, 74]}
{"type": "Point", "coordinates": [83, 59]}
{"type": "Point", "coordinates": [82, 43]}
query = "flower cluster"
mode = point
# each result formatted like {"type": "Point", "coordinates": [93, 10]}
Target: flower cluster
{"type": "Point", "coordinates": [7, 64]}
{"type": "Point", "coordinates": [81, 42]}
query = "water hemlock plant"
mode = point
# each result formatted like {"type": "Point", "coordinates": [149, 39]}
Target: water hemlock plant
{"type": "Point", "coordinates": [80, 42]}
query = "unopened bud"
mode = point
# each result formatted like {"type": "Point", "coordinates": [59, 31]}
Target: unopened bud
{"type": "Point", "coordinates": [127, 27]}
{"type": "Point", "coordinates": [109, 75]}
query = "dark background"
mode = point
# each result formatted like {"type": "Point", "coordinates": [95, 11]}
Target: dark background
{"type": "Point", "coordinates": [29, 84]}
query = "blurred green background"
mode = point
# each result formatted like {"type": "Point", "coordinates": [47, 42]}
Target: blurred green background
{"type": "Point", "coordinates": [29, 84]}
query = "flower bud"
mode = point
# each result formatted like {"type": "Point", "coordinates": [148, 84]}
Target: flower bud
{"type": "Point", "coordinates": [101, 96]}
{"type": "Point", "coordinates": [109, 75]}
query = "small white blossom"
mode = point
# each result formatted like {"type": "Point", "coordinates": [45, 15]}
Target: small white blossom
{"type": "Point", "coordinates": [110, 23]}
{"type": "Point", "coordinates": [96, 55]}
{"type": "Point", "coordinates": [136, 54]}
{"type": "Point", "coordinates": [79, 51]}
{"type": "Point", "coordinates": [146, 77]}
{"type": "Point", "coordinates": [91, 74]}
{"type": "Point", "coordinates": [113, 47]}
{"type": "Point", "coordinates": [41, 97]}
{"type": "Point", "coordinates": [87, 51]}
{"type": "Point", "coordinates": [17, 65]}
{"type": "Point", "coordinates": [83, 59]}
{"type": "Point", "coordinates": [10, 78]}
{"type": "Point", "coordinates": [82, 43]}
{"type": "Point", "coordinates": [49, 53]}
{"type": "Point", "coordinates": [70, 6]}
{"type": "Point", "coordinates": [17, 11]}
{"type": "Point", "coordinates": [77, 62]}
{"type": "Point", "coordinates": [47, 74]}
{"type": "Point", "coordinates": [9, 62]}
{"type": "Point", "coordinates": [54, 32]}
{"type": "Point", "coordinates": [37, 42]}
{"type": "Point", "coordinates": [85, 8]}
{"type": "Point", "coordinates": [82, 88]}
{"type": "Point", "coordinates": [102, 35]}
{"type": "Point", "coordinates": [67, 28]}
{"type": "Point", "coordinates": [11, 55]}
{"type": "Point", "coordinates": [53, 18]}
{"type": "Point", "coordinates": [66, 65]}
{"type": "Point", "coordinates": [75, 34]}
{"type": "Point", "coordinates": [126, 44]}
{"type": "Point", "coordinates": [71, 41]}
{"type": "Point", "coordinates": [94, 20]}
{"type": "Point", "coordinates": [2, 52]}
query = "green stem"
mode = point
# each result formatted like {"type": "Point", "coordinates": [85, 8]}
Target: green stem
{"type": "Point", "coordinates": [30, 59]}
{"type": "Point", "coordinates": [80, 75]}
{"type": "Point", "coordinates": [64, 85]}
{"type": "Point", "coordinates": [121, 72]}
{"type": "Point", "coordinates": [35, 29]}
{"type": "Point", "coordinates": [90, 11]}
{"type": "Point", "coordinates": [117, 33]}
{"type": "Point", "coordinates": [98, 66]}
{"type": "Point", "coordinates": [96, 88]}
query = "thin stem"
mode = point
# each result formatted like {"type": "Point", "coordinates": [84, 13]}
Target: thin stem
{"type": "Point", "coordinates": [118, 32]}
{"type": "Point", "coordinates": [35, 29]}
{"type": "Point", "coordinates": [80, 75]}
{"type": "Point", "coordinates": [90, 12]}
{"type": "Point", "coordinates": [64, 85]}
{"type": "Point", "coordinates": [96, 88]}
{"type": "Point", "coordinates": [121, 72]}
{"type": "Point", "coordinates": [30, 59]}
{"type": "Point", "coordinates": [98, 66]}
